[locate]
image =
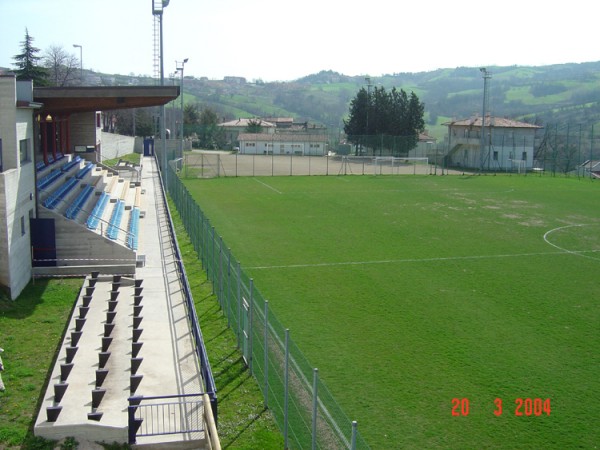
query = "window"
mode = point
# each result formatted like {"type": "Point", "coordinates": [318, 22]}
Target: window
{"type": "Point", "coordinates": [495, 156]}
{"type": "Point", "coordinates": [524, 156]}
{"type": "Point", "coordinates": [22, 225]}
{"type": "Point", "coordinates": [24, 150]}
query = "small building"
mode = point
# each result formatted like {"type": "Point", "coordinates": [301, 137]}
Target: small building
{"type": "Point", "coordinates": [425, 146]}
{"type": "Point", "coordinates": [234, 128]}
{"type": "Point", "coordinates": [508, 144]}
{"type": "Point", "coordinates": [298, 144]}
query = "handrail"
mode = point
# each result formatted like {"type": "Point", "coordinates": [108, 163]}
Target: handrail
{"type": "Point", "coordinates": [211, 426]}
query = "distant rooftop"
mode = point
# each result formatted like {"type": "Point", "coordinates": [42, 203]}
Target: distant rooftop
{"type": "Point", "coordinates": [491, 121]}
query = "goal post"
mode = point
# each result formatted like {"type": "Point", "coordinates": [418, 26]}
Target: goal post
{"type": "Point", "coordinates": [394, 165]}
{"type": "Point", "coordinates": [518, 165]}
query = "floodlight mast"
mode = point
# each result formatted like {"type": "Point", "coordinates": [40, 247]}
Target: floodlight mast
{"type": "Point", "coordinates": [482, 156]}
{"type": "Point", "coordinates": [157, 10]}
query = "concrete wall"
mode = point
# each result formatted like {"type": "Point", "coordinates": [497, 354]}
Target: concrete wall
{"type": "Point", "coordinates": [17, 190]}
{"type": "Point", "coordinates": [83, 130]}
{"type": "Point", "coordinates": [82, 247]}
{"type": "Point", "coordinates": [116, 145]}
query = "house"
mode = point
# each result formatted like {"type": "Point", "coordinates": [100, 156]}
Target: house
{"type": "Point", "coordinates": [508, 144]}
{"type": "Point", "coordinates": [425, 146]}
{"type": "Point", "coordinates": [299, 144]}
{"type": "Point", "coordinates": [233, 128]}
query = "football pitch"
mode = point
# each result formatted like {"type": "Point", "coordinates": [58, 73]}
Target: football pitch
{"type": "Point", "coordinates": [441, 312]}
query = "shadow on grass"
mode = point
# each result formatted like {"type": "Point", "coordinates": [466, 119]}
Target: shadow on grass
{"type": "Point", "coordinates": [245, 428]}
{"type": "Point", "coordinates": [26, 304]}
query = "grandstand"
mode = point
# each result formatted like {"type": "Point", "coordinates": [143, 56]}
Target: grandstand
{"type": "Point", "coordinates": [66, 214]}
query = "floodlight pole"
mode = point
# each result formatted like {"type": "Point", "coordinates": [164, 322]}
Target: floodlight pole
{"type": "Point", "coordinates": [181, 69]}
{"type": "Point", "coordinates": [486, 76]}
{"type": "Point", "coordinates": [80, 61]}
{"type": "Point", "coordinates": [157, 10]}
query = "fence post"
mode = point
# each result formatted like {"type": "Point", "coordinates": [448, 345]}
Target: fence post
{"type": "Point", "coordinates": [239, 305]}
{"type": "Point", "coordinates": [285, 388]}
{"type": "Point", "coordinates": [220, 292]}
{"type": "Point", "coordinates": [314, 408]}
{"type": "Point", "coordinates": [266, 345]}
{"type": "Point", "coordinates": [353, 442]}
{"type": "Point", "coordinates": [228, 290]}
{"type": "Point", "coordinates": [251, 326]}
{"type": "Point", "coordinates": [212, 259]}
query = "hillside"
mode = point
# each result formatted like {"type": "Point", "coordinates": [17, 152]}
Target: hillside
{"type": "Point", "coordinates": [566, 93]}
{"type": "Point", "coordinates": [555, 94]}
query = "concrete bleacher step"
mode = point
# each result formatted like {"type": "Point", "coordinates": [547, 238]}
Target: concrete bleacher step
{"type": "Point", "coordinates": [85, 385]}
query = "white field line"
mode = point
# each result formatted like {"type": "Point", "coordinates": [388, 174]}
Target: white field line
{"type": "Point", "coordinates": [411, 260]}
{"type": "Point", "coordinates": [573, 252]}
{"type": "Point", "coordinates": [266, 185]}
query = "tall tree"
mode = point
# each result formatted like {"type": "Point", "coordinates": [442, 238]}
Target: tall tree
{"type": "Point", "coordinates": [63, 67]}
{"type": "Point", "coordinates": [27, 63]}
{"type": "Point", "coordinates": [210, 135]}
{"type": "Point", "coordinates": [391, 120]}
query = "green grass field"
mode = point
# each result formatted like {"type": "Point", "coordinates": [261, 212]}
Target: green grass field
{"type": "Point", "coordinates": [409, 292]}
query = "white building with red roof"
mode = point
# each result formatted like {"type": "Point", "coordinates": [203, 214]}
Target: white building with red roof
{"type": "Point", "coordinates": [507, 145]}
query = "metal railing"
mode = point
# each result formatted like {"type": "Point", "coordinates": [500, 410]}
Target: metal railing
{"type": "Point", "coordinates": [189, 414]}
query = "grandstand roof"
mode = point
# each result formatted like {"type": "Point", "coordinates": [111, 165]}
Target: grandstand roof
{"type": "Point", "coordinates": [65, 100]}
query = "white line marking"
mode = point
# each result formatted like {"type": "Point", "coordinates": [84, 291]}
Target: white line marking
{"type": "Point", "coordinates": [266, 185]}
{"type": "Point", "coordinates": [409, 260]}
{"type": "Point", "coordinates": [573, 252]}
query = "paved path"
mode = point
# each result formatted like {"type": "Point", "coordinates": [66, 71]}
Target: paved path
{"type": "Point", "coordinates": [160, 328]}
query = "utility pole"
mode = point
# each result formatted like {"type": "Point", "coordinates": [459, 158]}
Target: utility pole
{"type": "Point", "coordinates": [368, 80]}
{"type": "Point", "coordinates": [482, 156]}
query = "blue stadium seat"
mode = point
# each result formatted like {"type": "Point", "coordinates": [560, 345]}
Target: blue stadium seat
{"type": "Point", "coordinates": [134, 223]}
{"type": "Point", "coordinates": [76, 206]}
{"type": "Point", "coordinates": [94, 218]}
{"type": "Point", "coordinates": [115, 220]}
{"type": "Point", "coordinates": [57, 196]}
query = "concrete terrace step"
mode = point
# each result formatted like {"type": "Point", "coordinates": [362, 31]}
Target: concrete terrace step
{"type": "Point", "coordinates": [91, 381]}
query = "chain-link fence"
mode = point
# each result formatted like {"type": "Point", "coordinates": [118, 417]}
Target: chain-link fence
{"type": "Point", "coordinates": [305, 410]}
{"type": "Point", "coordinates": [223, 164]}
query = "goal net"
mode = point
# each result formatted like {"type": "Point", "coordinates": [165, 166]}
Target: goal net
{"type": "Point", "coordinates": [518, 165]}
{"type": "Point", "coordinates": [392, 165]}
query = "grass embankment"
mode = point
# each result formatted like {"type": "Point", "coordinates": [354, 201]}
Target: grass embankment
{"type": "Point", "coordinates": [243, 421]}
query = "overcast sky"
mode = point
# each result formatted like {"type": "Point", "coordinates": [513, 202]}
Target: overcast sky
{"type": "Point", "coordinates": [282, 40]}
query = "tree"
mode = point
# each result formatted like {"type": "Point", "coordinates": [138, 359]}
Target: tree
{"type": "Point", "coordinates": [63, 67]}
{"type": "Point", "coordinates": [191, 114]}
{"type": "Point", "coordinates": [254, 126]}
{"type": "Point", "coordinates": [210, 135]}
{"type": "Point", "coordinates": [26, 63]}
{"type": "Point", "coordinates": [390, 120]}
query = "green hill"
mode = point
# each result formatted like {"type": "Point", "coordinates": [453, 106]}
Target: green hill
{"type": "Point", "coordinates": [555, 94]}
{"type": "Point", "coordinates": [566, 93]}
